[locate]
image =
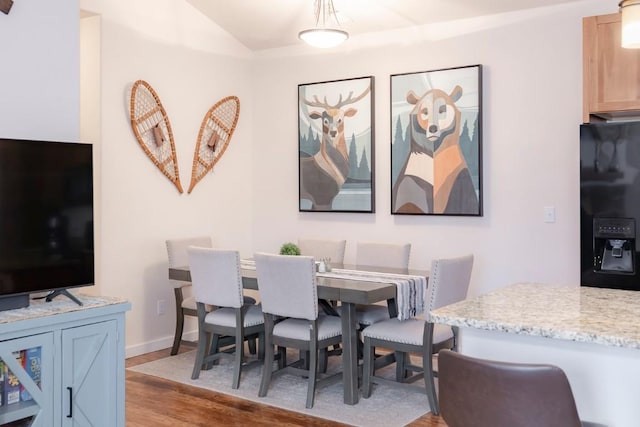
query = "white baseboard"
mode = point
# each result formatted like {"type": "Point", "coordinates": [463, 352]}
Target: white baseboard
{"type": "Point", "coordinates": [159, 344]}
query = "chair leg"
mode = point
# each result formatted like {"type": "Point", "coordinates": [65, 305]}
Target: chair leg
{"type": "Point", "coordinates": [360, 342]}
{"type": "Point", "coordinates": [367, 373]}
{"type": "Point", "coordinates": [261, 346]}
{"type": "Point", "coordinates": [213, 349]}
{"type": "Point", "coordinates": [304, 355]}
{"type": "Point", "coordinates": [401, 363]}
{"type": "Point", "coordinates": [282, 357]}
{"type": "Point", "coordinates": [177, 337]}
{"type": "Point", "coordinates": [239, 356]}
{"type": "Point", "coordinates": [429, 382]}
{"type": "Point", "coordinates": [313, 371]}
{"type": "Point", "coordinates": [252, 346]}
{"type": "Point", "coordinates": [323, 360]}
{"type": "Point", "coordinates": [267, 368]}
{"type": "Point", "coordinates": [202, 349]}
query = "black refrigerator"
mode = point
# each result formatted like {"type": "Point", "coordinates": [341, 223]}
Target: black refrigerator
{"type": "Point", "coordinates": [610, 205]}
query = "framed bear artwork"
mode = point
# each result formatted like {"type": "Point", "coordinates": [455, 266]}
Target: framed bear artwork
{"type": "Point", "coordinates": [436, 142]}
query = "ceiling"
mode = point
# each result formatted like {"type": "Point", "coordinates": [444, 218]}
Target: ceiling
{"type": "Point", "coordinates": [267, 24]}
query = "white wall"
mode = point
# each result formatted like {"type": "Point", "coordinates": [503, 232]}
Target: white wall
{"type": "Point", "coordinates": [191, 65]}
{"type": "Point", "coordinates": [90, 121]}
{"type": "Point", "coordinates": [532, 103]}
{"type": "Point", "coordinates": [39, 71]}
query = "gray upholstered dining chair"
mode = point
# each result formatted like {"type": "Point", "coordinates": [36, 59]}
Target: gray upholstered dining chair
{"type": "Point", "coordinates": [288, 290]}
{"type": "Point", "coordinates": [216, 281]}
{"type": "Point", "coordinates": [487, 393]}
{"type": "Point", "coordinates": [323, 248]}
{"type": "Point", "coordinates": [448, 283]}
{"type": "Point", "coordinates": [385, 255]}
{"type": "Point", "coordinates": [185, 302]}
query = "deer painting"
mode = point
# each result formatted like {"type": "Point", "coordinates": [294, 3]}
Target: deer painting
{"type": "Point", "coordinates": [435, 177]}
{"type": "Point", "coordinates": [323, 174]}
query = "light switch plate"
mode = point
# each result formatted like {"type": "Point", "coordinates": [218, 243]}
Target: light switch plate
{"type": "Point", "coordinates": [549, 214]}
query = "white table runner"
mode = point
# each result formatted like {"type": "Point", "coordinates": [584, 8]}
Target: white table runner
{"type": "Point", "coordinates": [411, 290]}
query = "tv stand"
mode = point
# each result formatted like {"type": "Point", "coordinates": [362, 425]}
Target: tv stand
{"type": "Point", "coordinates": [82, 362]}
{"type": "Point", "coordinates": [64, 292]}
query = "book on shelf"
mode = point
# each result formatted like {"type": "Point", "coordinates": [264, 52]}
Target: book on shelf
{"type": "Point", "coordinates": [11, 392]}
{"type": "Point", "coordinates": [1, 382]}
{"type": "Point", "coordinates": [32, 364]}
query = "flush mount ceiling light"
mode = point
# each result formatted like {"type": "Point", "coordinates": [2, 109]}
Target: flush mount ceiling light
{"type": "Point", "coordinates": [325, 34]}
{"type": "Point", "coordinates": [630, 10]}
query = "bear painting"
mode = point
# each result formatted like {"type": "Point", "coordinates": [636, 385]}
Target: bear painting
{"type": "Point", "coordinates": [436, 146]}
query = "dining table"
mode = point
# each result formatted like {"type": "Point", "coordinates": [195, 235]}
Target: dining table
{"type": "Point", "coordinates": [350, 291]}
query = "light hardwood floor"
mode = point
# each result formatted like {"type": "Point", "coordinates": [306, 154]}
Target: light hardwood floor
{"type": "Point", "coordinates": [152, 401]}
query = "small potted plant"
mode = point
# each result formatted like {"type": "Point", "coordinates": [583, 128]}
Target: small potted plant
{"type": "Point", "coordinates": [289, 249]}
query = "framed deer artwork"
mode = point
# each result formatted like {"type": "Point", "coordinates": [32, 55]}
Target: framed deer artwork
{"type": "Point", "coordinates": [436, 142]}
{"type": "Point", "coordinates": [336, 146]}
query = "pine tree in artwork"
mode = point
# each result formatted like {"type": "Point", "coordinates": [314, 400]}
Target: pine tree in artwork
{"type": "Point", "coordinates": [364, 173]}
{"type": "Point", "coordinates": [353, 157]}
{"type": "Point", "coordinates": [465, 142]}
{"type": "Point", "coordinates": [314, 142]}
{"type": "Point", "coordinates": [309, 144]}
{"type": "Point", "coordinates": [302, 139]}
{"type": "Point", "coordinates": [474, 163]}
{"type": "Point", "coordinates": [399, 151]}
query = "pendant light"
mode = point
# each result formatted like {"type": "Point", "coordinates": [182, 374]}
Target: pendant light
{"type": "Point", "coordinates": [325, 34]}
{"type": "Point", "coordinates": [630, 10]}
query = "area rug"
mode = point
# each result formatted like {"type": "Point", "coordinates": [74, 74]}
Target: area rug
{"type": "Point", "coordinates": [387, 406]}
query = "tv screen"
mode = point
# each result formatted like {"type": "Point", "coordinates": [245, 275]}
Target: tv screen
{"type": "Point", "coordinates": [46, 217]}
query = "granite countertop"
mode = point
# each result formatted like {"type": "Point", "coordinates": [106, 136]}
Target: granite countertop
{"type": "Point", "coordinates": [39, 308]}
{"type": "Point", "coordinates": [604, 316]}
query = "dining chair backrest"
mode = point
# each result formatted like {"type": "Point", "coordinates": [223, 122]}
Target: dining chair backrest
{"type": "Point", "coordinates": [388, 255]}
{"type": "Point", "coordinates": [215, 276]}
{"type": "Point", "coordinates": [287, 285]}
{"type": "Point", "coordinates": [448, 282]}
{"type": "Point", "coordinates": [318, 249]}
{"type": "Point", "coordinates": [486, 393]}
{"type": "Point", "coordinates": [177, 249]}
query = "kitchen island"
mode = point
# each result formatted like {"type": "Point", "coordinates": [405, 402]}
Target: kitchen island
{"type": "Point", "coordinates": [593, 334]}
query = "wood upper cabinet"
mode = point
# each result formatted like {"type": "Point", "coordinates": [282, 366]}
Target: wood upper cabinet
{"type": "Point", "coordinates": [611, 74]}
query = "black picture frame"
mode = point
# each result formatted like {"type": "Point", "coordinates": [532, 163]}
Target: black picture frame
{"type": "Point", "coordinates": [436, 142]}
{"type": "Point", "coordinates": [336, 163]}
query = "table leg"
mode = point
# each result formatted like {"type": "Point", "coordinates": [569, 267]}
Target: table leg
{"type": "Point", "coordinates": [349, 354]}
{"type": "Point", "coordinates": [392, 307]}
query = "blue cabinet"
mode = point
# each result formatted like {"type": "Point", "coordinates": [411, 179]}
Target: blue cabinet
{"type": "Point", "coordinates": [80, 352]}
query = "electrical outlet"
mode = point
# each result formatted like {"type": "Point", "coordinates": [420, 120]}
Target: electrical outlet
{"type": "Point", "coordinates": [161, 307]}
{"type": "Point", "coordinates": [549, 214]}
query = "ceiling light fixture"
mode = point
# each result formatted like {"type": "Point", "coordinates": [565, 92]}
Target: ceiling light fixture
{"type": "Point", "coordinates": [323, 35]}
{"type": "Point", "coordinates": [630, 10]}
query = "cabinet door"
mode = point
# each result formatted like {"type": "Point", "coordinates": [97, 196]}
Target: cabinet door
{"type": "Point", "coordinates": [89, 366]}
{"type": "Point", "coordinates": [611, 74]}
{"type": "Point", "coordinates": [31, 401]}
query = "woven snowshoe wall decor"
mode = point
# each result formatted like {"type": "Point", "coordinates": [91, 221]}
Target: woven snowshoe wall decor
{"type": "Point", "coordinates": [152, 129]}
{"type": "Point", "coordinates": [215, 134]}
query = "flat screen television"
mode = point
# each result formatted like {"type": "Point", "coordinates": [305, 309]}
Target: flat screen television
{"type": "Point", "coordinates": [46, 219]}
